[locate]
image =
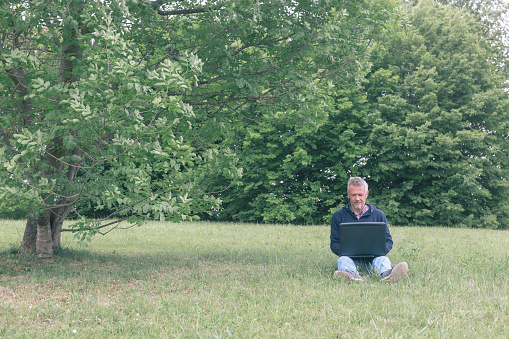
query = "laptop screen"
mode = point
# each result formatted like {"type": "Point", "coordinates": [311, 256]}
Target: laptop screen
{"type": "Point", "coordinates": [362, 239]}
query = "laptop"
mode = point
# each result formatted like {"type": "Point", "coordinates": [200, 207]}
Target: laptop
{"type": "Point", "coordinates": [362, 239]}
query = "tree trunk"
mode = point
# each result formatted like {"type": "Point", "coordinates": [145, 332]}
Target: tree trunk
{"type": "Point", "coordinates": [58, 217]}
{"type": "Point", "coordinates": [44, 242]}
{"type": "Point", "coordinates": [29, 237]}
{"type": "Point", "coordinates": [43, 233]}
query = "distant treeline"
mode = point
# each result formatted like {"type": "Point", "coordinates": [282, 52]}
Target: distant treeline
{"type": "Point", "coordinates": [427, 128]}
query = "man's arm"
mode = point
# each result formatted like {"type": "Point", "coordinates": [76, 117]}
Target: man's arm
{"type": "Point", "coordinates": [334, 234]}
{"type": "Point", "coordinates": [378, 215]}
{"type": "Point", "coordinates": [388, 237]}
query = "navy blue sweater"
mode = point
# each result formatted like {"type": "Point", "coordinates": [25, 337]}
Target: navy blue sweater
{"type": "Point", "coordinates": [345, 214]}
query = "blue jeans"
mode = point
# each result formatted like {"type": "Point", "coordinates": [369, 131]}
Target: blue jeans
{"type": "Point", "coordinates": [380, 264]}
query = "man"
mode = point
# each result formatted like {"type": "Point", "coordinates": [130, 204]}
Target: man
{"type": "Point", "coordinates": [358, 210]}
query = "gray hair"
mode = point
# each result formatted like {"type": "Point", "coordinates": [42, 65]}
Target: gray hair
{"type": "Point", "coordinates": [357, 182]}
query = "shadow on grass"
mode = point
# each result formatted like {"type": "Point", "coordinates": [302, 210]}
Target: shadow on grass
{"type": "Point", "coordinates": [90, 265]}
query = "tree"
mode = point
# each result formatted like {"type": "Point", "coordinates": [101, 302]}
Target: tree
{"type": "Point", "coordinates": [492, 14]}
{"type": "Point", "coordinates": [440, 124]}
{"type": "Point", "coordinates": [297, 173]}
{"type": "Point", "coordinates": [282, 169]}
{"type": "Point", "coordinates": [87, 122]}
{"type": "Point", "coordinates": [121, 106]}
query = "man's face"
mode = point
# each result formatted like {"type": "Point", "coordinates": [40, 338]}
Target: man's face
{"type": "Point", "coordinates": [357, 197]}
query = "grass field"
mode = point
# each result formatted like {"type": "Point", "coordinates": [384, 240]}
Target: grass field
{"type": "Point", "coordinates": [212, 280]}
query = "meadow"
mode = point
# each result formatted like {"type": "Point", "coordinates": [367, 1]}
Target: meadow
{"type": "Point", "coordinates": [221, 280]}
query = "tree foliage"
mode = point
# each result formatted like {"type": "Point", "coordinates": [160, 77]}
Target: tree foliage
{"type": "Point", "coordinates": [439, 134]}
{"type": "Point", "coordinates": [428, 129]}
{"type": "Point", "coordinates": [296, 173]}
{"type": "Point", "coordinates": [296, 150]}
{"type": "Point", "coordinates": [120, 108]}
{"type": "Point", "coordinates": [492, 14]}
{"type": "Point", "coordinates": [88, 122]}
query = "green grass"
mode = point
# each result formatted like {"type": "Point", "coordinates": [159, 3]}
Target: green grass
{"type": "Point", "coordinates": [212, 280]}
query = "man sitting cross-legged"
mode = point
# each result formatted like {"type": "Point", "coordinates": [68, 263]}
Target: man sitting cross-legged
{"type": "Point", "coordinates": [358, 210]}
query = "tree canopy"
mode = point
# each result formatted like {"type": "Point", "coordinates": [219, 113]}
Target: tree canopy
{"type": "Point", "coordinates": [427, 129]}
{"type": "Point", "coordinates": [120, 109]}
{"type": "Point", "coordinates": [439, 129]}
